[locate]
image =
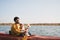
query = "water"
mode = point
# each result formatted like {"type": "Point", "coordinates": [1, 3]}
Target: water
{"type": "Point", "coordinates": [37, 30]}
{"type": "Point", "coordinates": [5, 29]}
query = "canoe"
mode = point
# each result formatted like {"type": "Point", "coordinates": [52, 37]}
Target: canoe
{"type": "Point", "coordinates": [32, 37]}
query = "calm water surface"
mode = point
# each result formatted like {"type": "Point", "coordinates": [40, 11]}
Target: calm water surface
{"type": "Point", "coordinates": [38, 30]}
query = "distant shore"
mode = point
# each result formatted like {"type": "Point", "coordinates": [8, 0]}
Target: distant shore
{"type": "Point", "coordinates": [33, 24]}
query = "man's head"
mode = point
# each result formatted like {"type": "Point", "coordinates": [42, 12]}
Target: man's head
{"type": "Point", "coordinates": [16, 19]}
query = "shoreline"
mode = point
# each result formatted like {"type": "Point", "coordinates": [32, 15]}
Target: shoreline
{"type": "Point", "coordinates": [34, 24]}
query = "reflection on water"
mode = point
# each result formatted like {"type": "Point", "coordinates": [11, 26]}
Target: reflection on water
{"type": "Point", "coordinates": [38, 30]}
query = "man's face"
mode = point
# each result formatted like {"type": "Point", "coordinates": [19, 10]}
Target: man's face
{"type": "Point", "coordinates": [17, 21]}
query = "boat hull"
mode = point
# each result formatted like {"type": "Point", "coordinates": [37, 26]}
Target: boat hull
{"type": "Point", "coordinates": [33, 37]}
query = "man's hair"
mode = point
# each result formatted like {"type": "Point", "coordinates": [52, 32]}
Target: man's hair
{"type": "Point", "coordinates": [15, 18]}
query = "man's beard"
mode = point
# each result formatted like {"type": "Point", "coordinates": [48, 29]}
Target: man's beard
{"type": "Point", "coordinates": [17, 22]}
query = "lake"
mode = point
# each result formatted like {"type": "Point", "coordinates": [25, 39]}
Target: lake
{"type": "Point", "coordinates": [36, 29]}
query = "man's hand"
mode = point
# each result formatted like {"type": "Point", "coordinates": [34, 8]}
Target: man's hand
{"type": "Point", "coordinates": [28, 25]}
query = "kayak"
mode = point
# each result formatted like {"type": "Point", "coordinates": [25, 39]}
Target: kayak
{"type": "Point", "coordinates": [32, 37]}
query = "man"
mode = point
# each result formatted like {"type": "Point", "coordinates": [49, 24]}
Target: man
{"type": "Point", "coordinates": [17, 28]}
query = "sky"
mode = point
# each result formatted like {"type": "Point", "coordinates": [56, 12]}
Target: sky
{"type": "Point", "coordinates": [30, 11]}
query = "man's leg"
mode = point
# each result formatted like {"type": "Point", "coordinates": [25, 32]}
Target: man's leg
{"type": "Point", "coordinates": [22, 34]}
{"type": "Point", "coordinates": [29, 33]}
